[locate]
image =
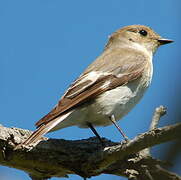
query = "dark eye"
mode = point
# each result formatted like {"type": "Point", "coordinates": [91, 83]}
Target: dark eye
{"type": "Point", "coordinates": [143, 32]}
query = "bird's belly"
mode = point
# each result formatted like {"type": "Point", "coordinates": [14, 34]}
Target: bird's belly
{"type": "Point", "coordinates": [117, 102]}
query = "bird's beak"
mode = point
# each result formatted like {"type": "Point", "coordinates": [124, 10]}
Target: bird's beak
{"type": "Point", "coordinates": [164, 41]}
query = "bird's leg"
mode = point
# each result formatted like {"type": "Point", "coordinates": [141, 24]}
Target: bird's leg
{"type": "Point", "coordinates": [112, 118]}
{"type": "Point", "coordinates": [95, 132]}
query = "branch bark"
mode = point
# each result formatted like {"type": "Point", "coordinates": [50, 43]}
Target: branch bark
{"type": "Point", "coordinates": [58, 158]}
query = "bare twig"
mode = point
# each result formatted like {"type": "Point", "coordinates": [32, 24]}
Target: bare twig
{"type": "Point", "coordinates": [142, 141]}
{"type": "Point", "coordinates": [159, 112]}
{"type": "Point", "coordinates": [57, 158]}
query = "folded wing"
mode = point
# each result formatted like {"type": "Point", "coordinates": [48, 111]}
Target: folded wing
{"type": "Point", "coordinates": [88, 85]}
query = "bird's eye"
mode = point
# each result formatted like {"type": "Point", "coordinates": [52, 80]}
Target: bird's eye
{"type": "Point", "coordinates": [143, 32]}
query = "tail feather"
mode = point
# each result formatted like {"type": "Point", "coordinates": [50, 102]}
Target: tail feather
{"type": "Point", "coordinates": [35, 137]}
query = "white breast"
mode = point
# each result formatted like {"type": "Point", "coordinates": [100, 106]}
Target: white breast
{"type": "Point", "coordinates": [118, 101]}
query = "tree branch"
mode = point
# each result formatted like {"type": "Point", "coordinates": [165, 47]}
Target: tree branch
{"type": "Point", "coordinates": [57, 158]}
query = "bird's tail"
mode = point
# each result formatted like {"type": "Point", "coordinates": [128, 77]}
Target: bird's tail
{"type": "Point", "coordinates": [35, 137]}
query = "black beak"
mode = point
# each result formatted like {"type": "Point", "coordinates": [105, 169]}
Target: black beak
{"type": "Point", "coordinates": [165, 41]}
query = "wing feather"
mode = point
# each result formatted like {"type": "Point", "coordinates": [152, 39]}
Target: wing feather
{"type": "Point", "coordinates": [83, 90]}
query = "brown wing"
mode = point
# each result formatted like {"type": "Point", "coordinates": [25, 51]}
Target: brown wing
{"type": "Point", "coordinates": [81, 91]}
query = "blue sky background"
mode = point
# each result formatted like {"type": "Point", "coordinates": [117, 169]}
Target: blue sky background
{"type": "Point", "coordinates": [45, 45]}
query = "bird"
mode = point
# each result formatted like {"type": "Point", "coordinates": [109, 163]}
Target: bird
{"type": "Point", "coordinates": [110, 87]}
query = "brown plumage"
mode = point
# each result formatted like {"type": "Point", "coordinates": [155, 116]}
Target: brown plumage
{"type": "Point", "coordinates": [126, 58]}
